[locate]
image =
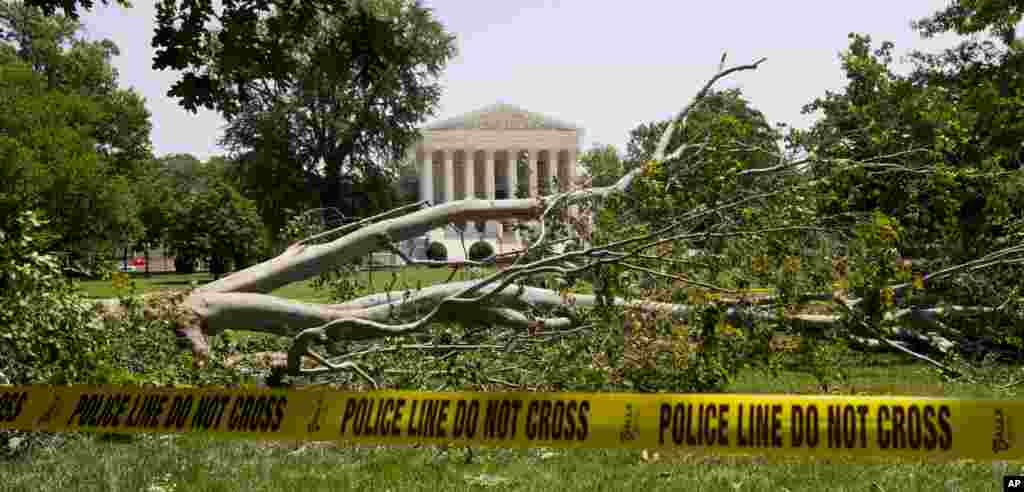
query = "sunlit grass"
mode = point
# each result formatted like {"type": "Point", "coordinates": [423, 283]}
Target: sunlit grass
{"type": "Point", "coordinates": [178, 463]}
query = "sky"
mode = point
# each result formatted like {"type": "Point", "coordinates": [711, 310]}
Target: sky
{"type": "Point", "coordinates": [606, 66]}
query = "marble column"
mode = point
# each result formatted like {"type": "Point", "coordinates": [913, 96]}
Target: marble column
{"type": "Point", "coordinates": [487, 190]}
{"type": "Point", "coordinates": [533, 175]}
{"type": "Point", "coordinates": [489, 173]}
{"type": "Point", "coordinates": [552, 170]}
{"type": "Point", "coordinates": [511, 172]}
{"type": "Point", "coordinates": [570, 176]}
{"type": "Point", "coordinates": [469, 183]}
{"type": "Point", "coordinates": [426, 176]}
{"type": "Point", "coordinates": [449, 175]}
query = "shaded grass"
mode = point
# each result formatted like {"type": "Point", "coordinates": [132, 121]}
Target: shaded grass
{"type": "Point", "coordinates": [161, 464]}
{"type": "Point", "coordinates": [190, 462]}
{"type": "Point", "coordinates": [299, 291]}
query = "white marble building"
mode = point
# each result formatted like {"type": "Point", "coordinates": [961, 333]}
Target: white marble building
{"type": "Point", "coordinates": [474, 155]}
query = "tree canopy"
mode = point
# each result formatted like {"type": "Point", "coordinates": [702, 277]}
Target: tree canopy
{"type": "Point", "coordinates": [73, 140]}
{"type": "Point", "coordinates": [343, 83]}
{"type": "Point", "coordinates": [956, 115]}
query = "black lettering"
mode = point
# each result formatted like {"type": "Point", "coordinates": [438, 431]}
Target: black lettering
{"type": "Point", "coordinates": [570, 421]}
{"type": "Point", "coordinates": [557, 419]}
{"type": "Point", "coordinates": [946, 436]}
{"type": "Point", "coordinates": [531, 424]}
{"type": "Point", "coordinates": [763, 435]}
{"type": "Point", "coordinates": [899, 431]}
{"type": "Point", "coordinates": [701, 428]}
{"type": "Point", "coordinates": [472, 417]}
{"type": "Point", "coordinates": [723, 424]}
{"type": "Point", "coordinates": [395, 429]}
{"type": "Point", "coordinates": [679, 424]}
{"type": "Point", "coordinates": [491, 419]}
{"type": "Point", "coordinates": [759, 426]}
{"type": "Point", "coordinates": [849, 426]}
{"type": "Point", "coordinates": [584, 430]}
{"type": "Point", "coordinates": [664, 421]}
{"type": "Point", "coordinates": [516, 405]}
{"type": "Point", "coordinates": [709, 431]}
{"type": "Point", "coordinates": [691, 439]}
{"type": "Point", "coordinates": [410, 430]}
{"type": "Point", "coordinates": [268, 413]}
{"type": "Point", "coordinates": [545, 419]}
{"type": "Point", "coordinates": [427, 417]}
{"type": "Point", "coordinates": [862, 411]}
{"type": "Point", "coordinates": [383, 424]}
{"type": "Point", "coordinates": [884, 434]}
{"type": "Point", "coordinates": [155, 410]}
{"type": "Point", "coordinates": [80, 407]}
{"type": "Point", "coordinates": [350, 411]}
{"type": "Point", "coordinates": [796, 426]}
{"type": "Point", "coordinates": [914, 427]}
{"type": "Point", "coordinates": [133, 417]}
{"type": "Point", "coordinates": [366, 416]}
{"type": "Point", "coordinates": [835, 423]}
{"type": "Point", "coordinates": [776, 426]}
{"type": "Point", "coordinates": [181, 407]}
{"type": "Point", "coordinates": [442, 417]}
{"type": "Point", "coordinates": [279, 409]}
{"type": "Point", "coordinates": [930, 433]}
{"type": "Point", "coordinates": [811, 429]}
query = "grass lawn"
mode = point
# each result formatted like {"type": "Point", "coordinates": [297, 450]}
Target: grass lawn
{"type": "Point", "coordinates": [182, 462]}
{"type": "Point", "coordinates": [185, 462]}
{"type": "Point", "coordinates": [300, 291]}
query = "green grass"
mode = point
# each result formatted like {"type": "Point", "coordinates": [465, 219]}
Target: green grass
{"type": "Point", "coordinates": [300, 291]}
{"type": "Point", "coordinates": [192, 463]}
{"type": "Point", "coordinates": [186, 462]}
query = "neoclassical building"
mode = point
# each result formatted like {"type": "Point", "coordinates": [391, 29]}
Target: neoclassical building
{"type": "Point", "coordinates": [474, 155]}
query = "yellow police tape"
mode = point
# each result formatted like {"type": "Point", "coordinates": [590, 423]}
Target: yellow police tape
{"type": "Point", "coordinates": [821, 426]}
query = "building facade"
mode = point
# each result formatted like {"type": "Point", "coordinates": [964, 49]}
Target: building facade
{"type": "Point", "coordinates": [475, 155]}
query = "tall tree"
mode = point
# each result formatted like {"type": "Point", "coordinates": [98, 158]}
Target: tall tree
{"type": "Point", "coordinates": [73, 141]}
{"type": "Point", "coordinates": [999, 18]}
{"type": "Point", "coordinates": [722, 117]}
{"type": "Point", "coordinates": [70, 8]}
{"type": "Point", "coordinates": [957, 115]}
{"type": "Point", "coordinates": [603, 164]}
{"type": "Point", "coordinates": [722, 136]}
{"type": "Point", "coordinates": [54, 48]}
{"type": "Point", "coordinates": [347, 82]}
{"type": "Point", "coordinates": [263, 166]}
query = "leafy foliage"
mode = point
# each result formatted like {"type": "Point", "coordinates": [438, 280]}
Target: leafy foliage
{"type": "Point", "coordinates": [951, 142]}
{"type": "Point", "coordinates": [603, 164]}
{"type": "Point", "coordinates": [342, 85]}
{"type": "Point", "coordinates": [56, 336]}
{"type": "Point", "coordinates": [218, 224]}
{"type": "Point", "coordinates": [72, 141]}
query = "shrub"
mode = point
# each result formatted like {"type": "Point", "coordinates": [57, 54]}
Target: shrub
{"type": "Point", "coordinates": [52, 335]}
{"type": "Point", "coordinates": [437, 252]}
{"type": "Point", "coordinates": [480, 250]}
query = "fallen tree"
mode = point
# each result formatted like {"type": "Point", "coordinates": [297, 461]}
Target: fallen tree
{"type": "Point", "coordinates": [879, 315]}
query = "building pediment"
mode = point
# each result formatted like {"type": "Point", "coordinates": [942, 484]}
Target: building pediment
{"type": "Point", "coordinates": [501, 117]}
